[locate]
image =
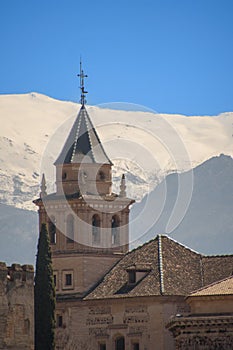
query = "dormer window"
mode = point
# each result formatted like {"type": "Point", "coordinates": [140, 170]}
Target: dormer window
{"type": "Point", "coordinates": [137, 272]}
{"type": "Point", "coordinates": [132, 276]}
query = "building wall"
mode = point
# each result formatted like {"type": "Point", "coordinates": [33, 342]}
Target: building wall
{"type": "Point", "coordinates": [83, 212]}
{"type": "Point", "coordinates": [214, 304]}
{"type": "Point", "coordinates": [85, 270]}
{"type": "Point", "coordinates": [16, 307]}
{"type": "Point", "coordinates": [140, 320]}
{"type": "Point", "coordinates": [84, 177]}
{"type": "Point", "coordinates": [209, 325]}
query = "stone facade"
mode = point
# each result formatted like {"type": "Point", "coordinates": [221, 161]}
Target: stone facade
{"type": "Point", "coordinates": [99, 324]}
{"type": "Point", "coordinates": [209, 324]}
{"type": "Point", "coordinates": [109, 298]}
{"type": "Point", "coordinates": [135, 311]}
{"type": "Point", "coordinates": [203, 332]}
{"type": "Point", "coordinates": [16, 307]}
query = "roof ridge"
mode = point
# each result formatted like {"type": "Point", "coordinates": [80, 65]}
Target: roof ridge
{"type": "Point", "coordinates": [160, 258]}
{"type": "Point", "coordinates": [76, 134]}
{"type": "Point", "coordinates": [182, 244]}
{"type": "Point", "coordinates": [211, 285]}
{"type": "Point", "coordinates": [96, 135]}
{"type": "Point", "coordinates": [142, 245]}
{"type": "Point", "coordinates": [216, 255]}
{"type": "Point", "coordinates": [202, 255]}
{"type": "Point", "coordinates": [88, 134]}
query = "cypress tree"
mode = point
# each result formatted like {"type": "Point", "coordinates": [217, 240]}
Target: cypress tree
{"type": "Point", "coordinates": [44, 292]}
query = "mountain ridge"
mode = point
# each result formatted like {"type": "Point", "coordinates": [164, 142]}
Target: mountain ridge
{"type": "Point", "coordinates": [155, 151]}
{"type": "Point", "coordinates": [143, 145]}
{"type": "Point", "coordinates": [207, 223]}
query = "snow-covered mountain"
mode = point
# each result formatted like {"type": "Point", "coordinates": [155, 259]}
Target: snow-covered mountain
{"type": "Point", "coordinates": [193, 206]}
{"type": "Point", "coordinates": [205, 224]}
{"type": "Point", "coordinates": [144, 145]}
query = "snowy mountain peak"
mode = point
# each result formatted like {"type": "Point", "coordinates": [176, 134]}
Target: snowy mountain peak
{"type": "Point", "coordinates": [144, 146]}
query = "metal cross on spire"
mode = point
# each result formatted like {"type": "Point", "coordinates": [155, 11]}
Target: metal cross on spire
{"type": "Point", "coordinates": [83, 92]}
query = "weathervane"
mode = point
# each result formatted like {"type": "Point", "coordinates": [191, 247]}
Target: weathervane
{"type": "Point", "coordinates": [83, 92]}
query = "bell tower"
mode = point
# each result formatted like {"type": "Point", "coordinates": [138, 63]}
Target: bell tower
{"type": "Point", "coordinates": [87, 223]}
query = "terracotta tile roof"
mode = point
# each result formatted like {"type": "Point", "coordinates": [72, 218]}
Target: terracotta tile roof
{"type": "Point", "coordinates": [117, 279]}
{"type": "Point", "coordinates": [216, 267]}
{"type": "Point", "coordinates": [162, 267]}
{"type": "Point", "coordinates": [181, 268]}
{"type": "Point", "coordinates": [223, 287]}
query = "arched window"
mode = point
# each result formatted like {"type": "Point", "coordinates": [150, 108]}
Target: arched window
{"type": "Point", "coordinates": [52, 230]}
{"type": "Point", "coordinates": [70, 229]}
{"type": "Point", "coordinates": [101, 175]}
{"type": "Point", "coordinates": [115, 230]}
{"type": "Point", "coordinates": [95, 229]}
{"type": "Point", "coordinates": [120, 343]}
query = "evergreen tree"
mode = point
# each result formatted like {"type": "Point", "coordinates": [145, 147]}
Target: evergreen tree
{"type": "Point", "coordinates": [44, 295]}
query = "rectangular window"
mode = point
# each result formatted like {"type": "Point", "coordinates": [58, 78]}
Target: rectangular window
{"type": "Point", "coordinates": [68, 280]}
{"type": "Point", "coordinates": [136, 346]}
{"type": "Point", "coordinates": [55, 279]}
{"type": "Point", "coordinates": [102, 346]}
{"type": "Point", "coordinates": [132, 276]}
{"type": "Point", "coordinates": [59, 321]}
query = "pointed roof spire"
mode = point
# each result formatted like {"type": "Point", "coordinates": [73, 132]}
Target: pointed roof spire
{"type": "Point", "coordinates": [43, 187]}
{"type": "Point", "coordinates": [83, 143]}
{"type": "Point", "coordinates": [82, 88]}
{"type": "Point", "coordinates": [122, 187]}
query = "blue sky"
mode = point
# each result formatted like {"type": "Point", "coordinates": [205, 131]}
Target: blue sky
{"type": "Point", "coordinates": [173, 56]}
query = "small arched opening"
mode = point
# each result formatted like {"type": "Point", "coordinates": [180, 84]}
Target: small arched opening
{"type": "Point", "coordinates": [102, 175]}
{"type": "Point", "coordinates": [70, 229]}
{"type": "Point", "coordinates": [95, 229]}
{"type": "Point", "coordinates": [115, 230]}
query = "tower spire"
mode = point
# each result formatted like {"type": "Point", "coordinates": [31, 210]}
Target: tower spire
{"type": "Point", "coordinates": [81, 75]}
{"type": "Point", "coordinates": [122, 187]}
{"type": "Point", "coordinates": [43, 187]}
